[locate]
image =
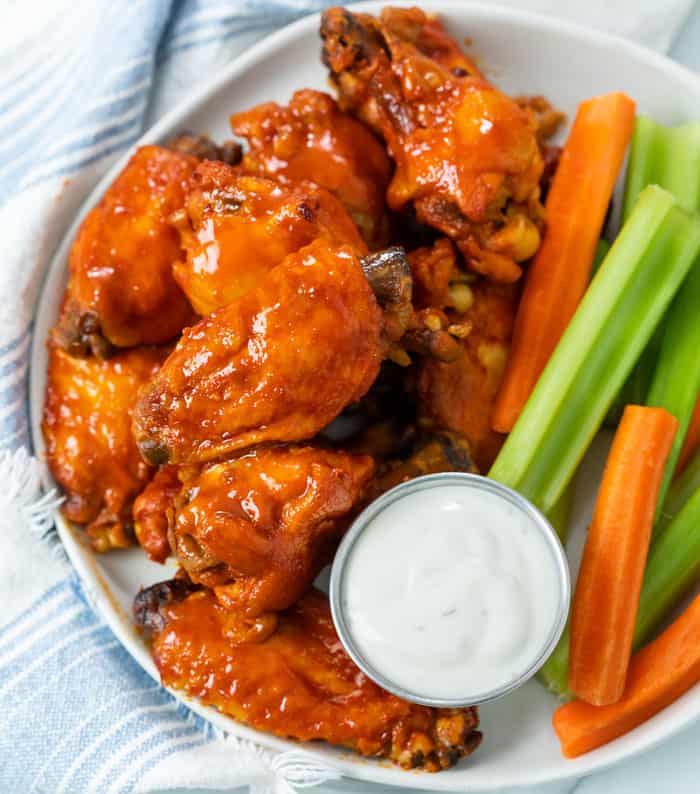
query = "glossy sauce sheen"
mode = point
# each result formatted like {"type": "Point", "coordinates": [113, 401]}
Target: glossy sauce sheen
{"type": "Point", "coordinates": [301, 683]}
{"type": "Point", "coordinates": [451, 592]}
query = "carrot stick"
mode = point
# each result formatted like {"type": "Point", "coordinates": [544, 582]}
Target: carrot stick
{"type": "Point", "coordinates": [658, 674]}
{"type": "Point", "coordinates": [692, 440]}
{"type": "Point", "coordinates": [557, 278]}
{"type": "Point", "coordinates": [604, 611]}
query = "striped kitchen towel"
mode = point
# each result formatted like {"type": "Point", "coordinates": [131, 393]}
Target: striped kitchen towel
{"type": "Point", "coordinates": [80, 80]}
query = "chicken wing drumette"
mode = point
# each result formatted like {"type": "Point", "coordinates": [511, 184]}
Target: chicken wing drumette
{"type": "Point", "coordinates": [235, 228]}
{"type": "Point", "coordinates": [259, 528]}
{"type": "Point", "coordinates": [299, 683]}
{"type": "Point", "coordinates": [311, 138]}
{"type": "Point", "coordinates": [276, 365]}
{"type": "Point", "coordinates": [459, 396]}
{"type": "Point", "coordinates": [90, 448]}
{"type": "Point", "coordinates": [467, 156]}
{"type": "Point", "coordinates": [121, 291]}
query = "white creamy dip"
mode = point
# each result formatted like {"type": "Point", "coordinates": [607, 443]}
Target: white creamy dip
{"type": "Point", "coordinates": [451, 592]}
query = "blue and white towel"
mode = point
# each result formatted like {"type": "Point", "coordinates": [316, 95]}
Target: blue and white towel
{"type": "Point", "coordinates": [80, 80]}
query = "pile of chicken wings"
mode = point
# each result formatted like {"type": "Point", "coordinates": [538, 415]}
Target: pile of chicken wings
{"type": "Point", "coordinates": [257, 340]}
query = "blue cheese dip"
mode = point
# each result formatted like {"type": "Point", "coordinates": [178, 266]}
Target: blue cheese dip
{"type": "Point", "coordinates": [450, 589]}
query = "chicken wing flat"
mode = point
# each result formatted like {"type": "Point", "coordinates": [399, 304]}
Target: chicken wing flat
{"type": "Point", "coordinates": [90, 448]}
{"type": "Point", "coordinates": [259, 528]}
{"type": "Point", "coordinates": [467, 156]}
{"type": "Point", "coordinates": [237, 227]}
{"type": "Point", "coordinates": [311, 138]}
{"type": "Point", "coordinates": [276, 365]}
{"type": "Point", "coordinates": [121, 291]}
{"type": "Point", "coordinates": [299, 683]}
{"type": "Point", "coordinates": [151, 512]}
{"type": "Point", "coordinates": [459, 396]}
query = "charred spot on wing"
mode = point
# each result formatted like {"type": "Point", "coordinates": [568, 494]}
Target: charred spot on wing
{"type": "Point", "coordinates": [153, 451]}
{"type": "Point", "coordinates": [307, 211]}
{"type": "Point", "coordinates": [203, 148]}
{"type": "Point", "coordinates": [150, 603]}
{"type": "Point", "coordinates": [79, 333]}
{"type": "Point", "coordinates": [389, 275]}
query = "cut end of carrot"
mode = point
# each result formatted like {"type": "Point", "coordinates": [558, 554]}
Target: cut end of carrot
{"type": "Point", "coordinates": [571, 723]}
{"type": "Point", "coordinates": [659, 674]}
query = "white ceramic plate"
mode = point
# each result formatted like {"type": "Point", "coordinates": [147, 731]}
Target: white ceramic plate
{"type": "Point", "coordinates": [525, 54]}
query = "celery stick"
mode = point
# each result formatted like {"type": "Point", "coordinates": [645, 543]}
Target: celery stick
{"type": "Point", "coordinates": [664, 156]}
{"type": "Point", "coordinates": [668, 157]}
{"type": "Point", "coordinates": [612, 324]}
{"type": "Point", "coordinates": [554, 673]}
{"type": "Point", "coordinates": [560, 515]}
{"type": "Point", "coordinates": [676, 380]}
{"type": "Point", "coordinates": [637, 386]}
{"type": "Point", "coordinates": [672, 569]}
{"type": "Point", "coordinates": [682, 488]}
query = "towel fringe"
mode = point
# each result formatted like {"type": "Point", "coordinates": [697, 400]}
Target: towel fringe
{"type": "Point", "coordinates": [23, 501]}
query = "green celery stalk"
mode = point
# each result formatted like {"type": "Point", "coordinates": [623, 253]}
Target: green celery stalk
{"type": "Point", "coordinates": [672, 569]}
{"type": "Point", "coordinates": [682, 488]}
{"type": "Point", "coordinates": [554, 673]}
{"type": "Point", "coordinates": [664, 156]}
{"type": "Point", "coordinates": [668, 157]}
{"type": "Point", "coordinates": [560, 515]}
{"type": "Point", "coordinates": [676, 380]}
{"type": "Point", "coordinates": [637, 386]}
{"type": "Point", "coordinates": [596, 353]}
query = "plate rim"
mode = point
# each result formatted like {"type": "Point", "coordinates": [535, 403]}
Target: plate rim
{"type": "Point", "coordinates": [82, 559]}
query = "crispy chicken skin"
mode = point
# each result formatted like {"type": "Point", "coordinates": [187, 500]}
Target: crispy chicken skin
{"type": "Point", "coordinates": [276, 365]}
{"type": "Point", "coordinates": [300, 683]}
{"type": "Point", "coordinates": [121, 291]}
{"type": "Point", "coordinates": [311, 138]}
{"type": "Point", "coordinates": [432, 453]}
{"type": "Point", "coordinates": [459, 396]}
{"type": "Point", "coordinates": [259, 528]}
{"type": "Point", "coordinates": [90, 449]}
{"type": "Point", "coordinates": [237, 227]}
{"type": "Point", "coordinates": [466, 155]}
{"type": "Point", "coordinates": [151, 509]}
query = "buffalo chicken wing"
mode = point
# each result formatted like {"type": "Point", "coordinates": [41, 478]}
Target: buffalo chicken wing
{"type": "Point", "coordinates": [90, 448]}
{"type": "Point", "coordinates": [467, 156]}
{"type": "Point", "coordinates": [276, 365]}
{"type": "Point", "coordinates": [299, 683]}
{"type": "Point", "coordinates": [237, 227]}
{"type": "Point", "coordinates": [259, 528]}
{"type": "Point", "coordinates": [459, 396]}
{"type": "Point", "coordinates": [121, 291]}
{"type": "Point", "coordinates": [311, 138]}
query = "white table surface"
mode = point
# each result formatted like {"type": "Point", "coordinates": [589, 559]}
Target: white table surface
{"type": "Point", "coordinates": [672, 768]}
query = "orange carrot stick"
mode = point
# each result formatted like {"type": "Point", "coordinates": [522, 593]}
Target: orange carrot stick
{"type": "Point", "coordinates": [659, 674]}
{"type": "Point", "coordinates": [557, 278]}
{"type": "Point", "coordinates": [604, 611]}
{"type": "Point", "coordinates": [692, 440]}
